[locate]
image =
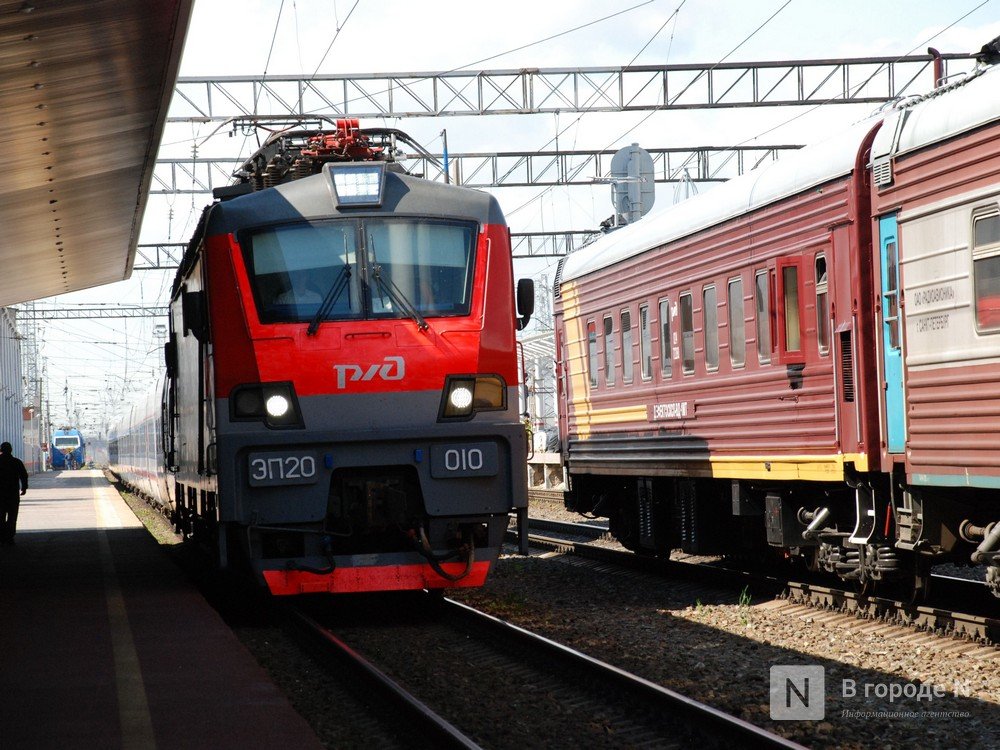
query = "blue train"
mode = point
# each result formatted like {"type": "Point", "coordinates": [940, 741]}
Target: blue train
{"type": "Point", "coordinates": [68, 449]}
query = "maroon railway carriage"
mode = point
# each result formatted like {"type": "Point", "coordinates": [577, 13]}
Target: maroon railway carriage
{"type": "Point", "coordinates": [341, 402]}
{"type": "Point", "coordinates": [731, 368]}
{"type": "Point", "coordinates": [936, 220]}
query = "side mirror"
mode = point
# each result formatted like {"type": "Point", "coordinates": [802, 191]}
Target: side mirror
{"type": "Point", "coordinates": [525, 302]}
{"type": "Point", "coordinates": [170, 356]}
{"type": "Point", "coordinates": [195, 312]}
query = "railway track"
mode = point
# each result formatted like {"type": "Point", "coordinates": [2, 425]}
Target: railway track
{"type": "Point", "coordinates": [979, 625]}
{"type": "Point", "coordinates": [406, 710]}
{"type": "Point", "coordinates": [507, 687]}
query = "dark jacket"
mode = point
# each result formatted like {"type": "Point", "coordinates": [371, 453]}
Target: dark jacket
{"type": "Point", "coordinates": [13, 476]}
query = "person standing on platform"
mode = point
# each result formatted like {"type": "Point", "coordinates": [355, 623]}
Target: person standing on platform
{"type": "Point", "coordinates": [13, 484]}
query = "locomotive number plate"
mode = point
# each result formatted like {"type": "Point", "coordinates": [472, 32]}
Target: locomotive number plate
{"type": "Point", "coordinates": [295, 467]}
{"type": "Point", "coordinates": [464, 460]}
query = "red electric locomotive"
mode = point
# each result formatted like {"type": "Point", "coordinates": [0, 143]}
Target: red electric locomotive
{"type": "Point", "coordinates": [340, 406]}
{"type": "Point", "coordinates": [803, 360]}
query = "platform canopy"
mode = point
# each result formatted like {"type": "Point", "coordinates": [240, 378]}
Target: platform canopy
{"type": "Point", "coordinates": [84, 91]}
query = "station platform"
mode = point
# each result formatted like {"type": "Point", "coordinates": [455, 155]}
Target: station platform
{"type": "Point", "coordinates": [105, 644]}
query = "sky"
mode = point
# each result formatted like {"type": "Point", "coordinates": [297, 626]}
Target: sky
{"type": "Point", "coordinates": [101, 365]}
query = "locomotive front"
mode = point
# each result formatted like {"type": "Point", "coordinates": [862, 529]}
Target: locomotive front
{"type": "Point", "coordinates": [342, 393]}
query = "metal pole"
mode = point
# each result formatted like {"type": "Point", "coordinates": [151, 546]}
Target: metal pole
{"type": "Point", "coordinates": [444, 140]}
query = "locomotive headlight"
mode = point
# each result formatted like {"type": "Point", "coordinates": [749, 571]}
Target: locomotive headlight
{"type": "Point", "coordinates": [274, 404]}
{"type": "Point", "coordinates": [277, 405]}
{"type": "Point", "coordinates": [464, 395]}
{"type": "Point", "coordinates": [460, 398]}
{"type": "Point", "coordinates": [246, 403]}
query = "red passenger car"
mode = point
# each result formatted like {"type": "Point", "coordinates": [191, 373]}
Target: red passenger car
{"type": "Point", "coordinates": [738, 373]}
{"type": "Point", "coordinates": [340, 409]}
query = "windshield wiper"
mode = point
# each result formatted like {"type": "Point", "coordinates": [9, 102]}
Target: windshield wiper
{"type": "Point", "coordinates": [332, 295]}
{"type": "Point", "coordinates": [388, 287]}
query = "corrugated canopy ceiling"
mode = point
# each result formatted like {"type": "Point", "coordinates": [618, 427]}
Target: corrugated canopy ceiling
{"type": "Point", "coordinates": [84, 91]}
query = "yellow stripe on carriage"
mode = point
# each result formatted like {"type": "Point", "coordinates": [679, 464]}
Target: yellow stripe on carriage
{"type": "Point", "coordinates": [809, 468]}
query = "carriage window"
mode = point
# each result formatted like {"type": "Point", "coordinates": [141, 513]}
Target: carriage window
{"type": "Point", "coordinates": [666, 358]}
{"type": "Point", "coordinates": [645, 344]}
{"type": "Point", "coordinates": [592, 352]}
{"type": "Point", "coordinates": [737, 331]}
{"type": "Point", "coordinates": [790, 281]}
{"type": "Point", "coordinates": [687, 333]}
{"type": "Point", "coordinates": [626, 346]}
{"type": "Point", "coordinates": [986, 268]}
{"type": "Point", "coordinates": [711, 311]}
{"type": "Point", "coordinates": [609, 352]}
{"type": "Point", "coordinates": [762, 308]}
{"type": "Point", "coordinates": [891, 296]}
{"type": "Point", "coordinates": [822, 306]}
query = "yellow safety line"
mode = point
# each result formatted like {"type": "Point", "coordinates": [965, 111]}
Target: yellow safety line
{"type": "Point", "coordinates": [133, 706]}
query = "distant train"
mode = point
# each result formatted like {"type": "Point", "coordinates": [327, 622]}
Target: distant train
{"type": "Point", "coordinates": [805, 361]}
{"type": "Point", "coordinates": [68, 449]}
{"type": "Point", "coordinates": [340, 405]}
{"type": "Point", "coordinates": [135, 448]}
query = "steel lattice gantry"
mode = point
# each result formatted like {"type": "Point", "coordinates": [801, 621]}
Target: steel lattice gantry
{"type": "Point", "coordinates": [508, 169]}
{"type": "Point", "coordinates": [88, 312]}
{"type": "Point", "coordinates": [533, 90]}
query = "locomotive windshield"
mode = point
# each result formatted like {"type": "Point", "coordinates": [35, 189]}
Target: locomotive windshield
{"type": "Point", "coordinates": [342, 269]}
{"type": "Point", "coordinates": [67, 442]}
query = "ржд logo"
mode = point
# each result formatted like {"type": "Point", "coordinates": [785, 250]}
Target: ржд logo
{"type": "Point", "coordinates": [392, 368]}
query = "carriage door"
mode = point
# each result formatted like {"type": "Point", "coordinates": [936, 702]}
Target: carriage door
{"type": "Point", "coordinates": [891, 335]}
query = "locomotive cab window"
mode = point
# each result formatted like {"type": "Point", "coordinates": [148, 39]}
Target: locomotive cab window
{"type": "Point", "coordinates": [292, 267]}
{"type": "Point", "coordinates": [986, 269]}
{"type": "Point", "coordinates": [354, 269]}
{"type": "Point", "coordinates": [430, 263]}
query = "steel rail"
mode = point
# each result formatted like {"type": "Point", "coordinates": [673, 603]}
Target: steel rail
{"type": "Point", "coordinates": [434, 728]}
{"type": "Point", "coordinates": [976, 626]}
{"type": "Point", "coordinates": [695, 714]}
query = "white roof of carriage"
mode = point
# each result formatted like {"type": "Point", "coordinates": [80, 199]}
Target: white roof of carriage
{"type": "Point", "coordinates": [945, 112]}
{"type": "Point", "coordinates": [952, 110]}
{"type": "Point", "coordinates": [811, 166]}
